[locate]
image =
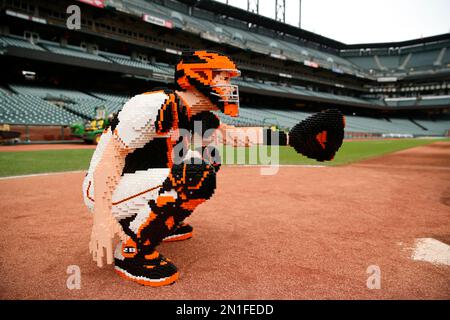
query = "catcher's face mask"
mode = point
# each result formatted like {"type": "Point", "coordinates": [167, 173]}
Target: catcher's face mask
{"type": "Point", "coordinates": [210, 73]}
{"type": "Point", "coordinates": [227, 93]}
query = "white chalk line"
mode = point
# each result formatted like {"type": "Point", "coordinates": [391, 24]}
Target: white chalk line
{"type": "Point", "coordinates": [40, 174]}
{"type": "Point", "coordinates": [413, 167]}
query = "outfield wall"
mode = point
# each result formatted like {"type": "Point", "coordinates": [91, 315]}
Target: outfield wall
{"type": "Point", "coordinates": [42, 133]}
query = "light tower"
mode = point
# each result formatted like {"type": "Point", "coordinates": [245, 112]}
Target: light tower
{"type": "Point", "coordinates": [253, 6]}
{"type": "Point", "coordinates": [300, 14]}
{"type": "Point", "coordinates": [280, 10]}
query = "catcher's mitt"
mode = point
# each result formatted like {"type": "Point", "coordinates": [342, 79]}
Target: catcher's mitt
{"type": "Point", "coordinates": [319, 136]}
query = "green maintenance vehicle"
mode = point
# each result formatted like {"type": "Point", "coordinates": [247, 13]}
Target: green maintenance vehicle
{"type": "Point", "coordinates": [91, 130]}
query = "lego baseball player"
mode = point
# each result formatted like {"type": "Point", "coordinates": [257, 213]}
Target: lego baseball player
{"type": "Point", "coordinates": [140, 196]}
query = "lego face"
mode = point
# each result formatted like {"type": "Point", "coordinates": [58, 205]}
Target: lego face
{"type": "Point", "coordinates": [228, 94]}
{"type": "Point", "coordinates": [221, 78]}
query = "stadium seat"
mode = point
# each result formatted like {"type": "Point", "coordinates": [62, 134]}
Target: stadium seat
{"type": "Point", "coordinates": [15, 41]}
{"type": "Point", "coordinates": [73, 51]}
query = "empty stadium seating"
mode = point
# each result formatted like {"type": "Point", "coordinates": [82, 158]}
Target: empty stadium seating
{"type": "Point", "coordinates": [202, 22]}
{"type": "Point", "coordinates": [33, 110]}
{"type": "Point", "coordinates": [235, 32]}
{"type": "Point", "coordinates": [417, 60]}
{"type": "Point", "coordinates": [74, 105]}
{"type": "Point", "coordinates": [446, 57]}
{"type": "Point", "coordinates": [46, 92]}
{"type": "Point", "coordinates": [73, 51]}
{"type": "Point", "coordinates": [423, 59]}
{"type": "Point", "coordinates": [110, 96]}
{"type": "Point", "coordinates": [19, 42]}
{"type": "Point", "coordinates": [78, 52]}
{"type": "Point", "coordinates": [286, 119]}
{"type": "Point", "coordinates": [390, 62]}
{"type": "Point", "coordinates": [422, 101]}
{"type": "Point", "coordinates": [126, 60]}
{"type": "Point", "coordinates": [301, 92]}
{"type": "Point", "coordinates": [31, 105]}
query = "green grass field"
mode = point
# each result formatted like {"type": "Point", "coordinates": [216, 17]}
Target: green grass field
{"type": "Point", "coordinates": [30, 162]}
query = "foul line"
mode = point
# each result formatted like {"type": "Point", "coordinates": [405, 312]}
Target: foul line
{"type": "Point", "coordinates": [40, 174]}
{"type": "Point", "coordinates": [413, 167]}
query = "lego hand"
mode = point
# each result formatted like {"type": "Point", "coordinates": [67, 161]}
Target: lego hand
{"type": "Point", "coordinates": [102, 239]}
{"type": "Point", "coordinates": [101, 243]}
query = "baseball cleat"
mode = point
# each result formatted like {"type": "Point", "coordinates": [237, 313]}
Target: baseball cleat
{"type": "Point", "coordinates": [154, 270]}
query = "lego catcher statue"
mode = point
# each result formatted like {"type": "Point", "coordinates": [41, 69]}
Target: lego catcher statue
{"type": "Point", "coordinates": [140, 196]}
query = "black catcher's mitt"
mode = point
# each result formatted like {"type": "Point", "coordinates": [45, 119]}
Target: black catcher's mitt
{"type": "Point", "coordinates": [319, 136]}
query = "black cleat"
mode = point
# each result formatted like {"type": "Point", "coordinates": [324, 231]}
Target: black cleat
{"type": "Point", "coordinates": [154, 270]}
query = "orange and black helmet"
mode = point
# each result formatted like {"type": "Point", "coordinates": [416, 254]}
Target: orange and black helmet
{"type": "Point", "coordinates": [196, 69]}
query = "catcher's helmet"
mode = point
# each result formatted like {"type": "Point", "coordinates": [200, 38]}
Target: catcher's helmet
{"type": "Point", "coordinates": [196, 69]}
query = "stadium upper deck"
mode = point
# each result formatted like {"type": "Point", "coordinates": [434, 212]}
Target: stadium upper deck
{"type": "Point", "coordinates": [144, 38]}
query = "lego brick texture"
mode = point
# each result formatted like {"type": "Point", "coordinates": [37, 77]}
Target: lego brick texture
{"type": "Point", "coordinates": [319, 136]}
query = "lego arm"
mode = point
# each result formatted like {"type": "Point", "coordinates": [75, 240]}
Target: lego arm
{"type": "Point", "coordinates": [142, 118]}
{"type": "Point", "coordinates": [105, 226]}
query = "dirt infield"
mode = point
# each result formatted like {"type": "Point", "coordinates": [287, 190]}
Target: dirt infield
{"type": "Point", "coordinates": [305, 233]}
{"type": "Point", "coordinates": [36, 147]}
